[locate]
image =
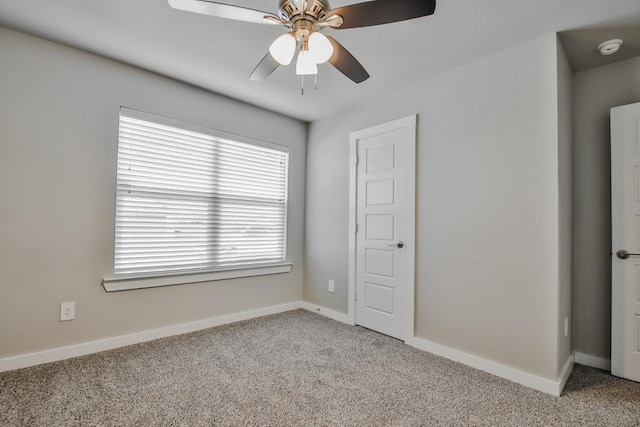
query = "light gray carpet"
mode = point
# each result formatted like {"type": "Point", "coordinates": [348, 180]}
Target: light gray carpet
{"type": "Point", "coordinates": [296, 369]}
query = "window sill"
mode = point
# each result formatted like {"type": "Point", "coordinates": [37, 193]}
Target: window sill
{"type": "Point", "coordinates": [115, 284]}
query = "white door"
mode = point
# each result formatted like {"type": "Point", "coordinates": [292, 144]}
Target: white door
{"type": "Point", "coordinates": [625, 219]}
{"type": "Point", "coordinates": [383, 236]}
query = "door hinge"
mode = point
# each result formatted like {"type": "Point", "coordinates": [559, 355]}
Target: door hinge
{"type": "Point", "coordinates": [356, 228]}
{"type": "Point", "coordinates": [357, 159]}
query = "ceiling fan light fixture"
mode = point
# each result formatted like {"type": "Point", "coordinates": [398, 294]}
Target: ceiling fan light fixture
{"type": "Point", "coordinates": [306, 65]}
{"type": "Point", "coordinates": [283, 49]}
{"type": "Point", "coordinates": [304, 18]}
{"type": "Point", "coordinates": [320, 48]}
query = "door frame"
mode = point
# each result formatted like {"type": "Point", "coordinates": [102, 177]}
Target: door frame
{"type": "Point", "coordinates": [409, 123]}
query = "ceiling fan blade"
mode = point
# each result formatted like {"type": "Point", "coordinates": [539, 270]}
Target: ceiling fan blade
{"type": "Point", "coordinates": [264, 68]}
{"type": "Point", "coordinates": [346, 63]}
{"type": "Point", "coordinates": [222, 10]}
{"type": "Point", "coordinates": [382, 12]}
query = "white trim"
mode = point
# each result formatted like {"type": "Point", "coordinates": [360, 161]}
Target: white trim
{"type": "Point", "coordinates": [565, 373]}
{"type": "Point", "coordinates": [410, 283]}
{"type": "Point", "coordinates": [409, 123]}
{"type": "Point", "coordinates": [524, 378]}
{"type": "Point", "coordinates": [520, 377]}
{"type": "Point", "coordinates": [61, 353]}
{"type": "Point", "coordinates": [114, 284]}
{"type": "Point", "coordinates": [351, 277]}
{"type": "Point", "coordinates": [593, 361]}
{"type": "Point", "coordinates": [331, 314]}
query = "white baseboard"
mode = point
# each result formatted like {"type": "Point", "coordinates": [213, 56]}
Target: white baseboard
{"type": "Point", "coordinates": [565, 373]}
{"type": "Point", "coordinates": [524, 378]}
{"type": "Point", "coordinates": [593, 361]}
{"type": "Point", "coordinates": [61, 353]}
{"type": "Point", "coordinates": [520, 377]}
{"type": "Point", "coordinates": [331, 314]}
{"type": "Point", "coordinates": [529, 380]}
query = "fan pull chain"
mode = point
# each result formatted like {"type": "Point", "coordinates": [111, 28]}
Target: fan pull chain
{"type": "Point", "coordinates": [315, 83]}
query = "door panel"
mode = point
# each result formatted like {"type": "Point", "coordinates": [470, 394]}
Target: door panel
{"type": "Point", "coordinates": [381, 214]}
{"type": "Point", "coordinates": [380, 158]}
{"type": "Point", "coordinates": [380, 192]}
{"type": "Point", "coordinates": [379, 263]}
{"type": "Point", "coordinates": [378, 298]}
{"type": "Point", "coordinates": [625, 211]}
{"type": "Point", "coordinates": [380, 227]}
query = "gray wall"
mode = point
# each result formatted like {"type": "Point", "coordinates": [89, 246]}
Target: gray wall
{"type": "Point", "coordinates": [58, 141]}
{"type": "Point", "coordinates": [595, 92]}
{"type": "Point", "coordinates": [565, 180]}
{"type": "Point", "coordinates": [482, 127]}
{"type": "Point", "coordinates": [487, 280]}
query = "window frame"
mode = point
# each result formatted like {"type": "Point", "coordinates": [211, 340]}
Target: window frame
{"type": "Point", "coordinates": [119, 282]}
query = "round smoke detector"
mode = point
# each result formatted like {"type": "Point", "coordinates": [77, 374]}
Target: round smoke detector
{"type": "Point", "coordinates": [610, 47]}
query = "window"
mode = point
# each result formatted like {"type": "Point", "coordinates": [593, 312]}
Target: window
{"type": "Point", "coordinates": [192, 200]}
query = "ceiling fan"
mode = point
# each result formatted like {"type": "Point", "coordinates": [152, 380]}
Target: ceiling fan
{"type": "Point", "coordinates": [306, 19]}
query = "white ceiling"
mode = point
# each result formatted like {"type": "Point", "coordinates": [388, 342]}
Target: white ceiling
{"type": "Point", "coordinates": [219, 55]}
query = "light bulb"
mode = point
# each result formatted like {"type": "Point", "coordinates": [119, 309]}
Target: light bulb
{"type": "Point", "coordinates": [306, 64]}
{"type": "Point", "coordinates": [320, 47]}
{"type": "Point", "coordinates": [283, 49]}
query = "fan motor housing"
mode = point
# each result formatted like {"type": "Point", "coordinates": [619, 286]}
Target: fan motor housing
{"type": "Point", "coordinates": [317, 9]}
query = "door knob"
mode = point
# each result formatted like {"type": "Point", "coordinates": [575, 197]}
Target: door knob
{"type": "Point", "coordinates": [622, 254]}
{"type": "Point", "coordinates": [400, 245]}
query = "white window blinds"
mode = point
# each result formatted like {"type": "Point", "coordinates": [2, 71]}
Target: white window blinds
{"type": "Point", "coordinates": [191, 199]}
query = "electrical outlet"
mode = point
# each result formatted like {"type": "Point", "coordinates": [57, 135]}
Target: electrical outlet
{"type": "Point", "coordinates": [67, 311]}
{"type": "Point", "coordinates": [566, 326]}
{"type": "Point", "coordinates": [332, 286]}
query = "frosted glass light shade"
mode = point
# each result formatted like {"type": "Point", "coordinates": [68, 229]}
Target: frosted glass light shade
{"type": "Point", "coordinates": [306, 64]}
{"type": "Point", "coordinates": [283, 49]}
{"type": "Point", "coordinates": [320, 47]}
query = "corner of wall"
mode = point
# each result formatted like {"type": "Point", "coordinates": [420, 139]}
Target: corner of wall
{"type": "Point", "coordinates": [565, 203]}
